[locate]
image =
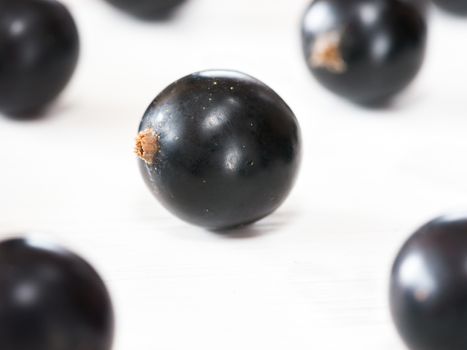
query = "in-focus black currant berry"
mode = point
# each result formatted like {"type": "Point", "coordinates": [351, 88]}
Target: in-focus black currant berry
{"type": "Point", "coordinates": [51, 299]}
{"type": "Point", "coordinates": [458, 7]}
{"type": "Point", "coordinates": [428, 292]}
{"type": "Point", "coordinates": [147, 9]}
{"type": "Point", "coordinates": [219, 149]}
{"type": "Point", "coordinates": [39, 49]}
{"type": "Point", "coordinates": [364, 50]}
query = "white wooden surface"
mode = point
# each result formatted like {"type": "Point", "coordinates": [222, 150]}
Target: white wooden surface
{"type": "Point", "coordinates": [311, 276]}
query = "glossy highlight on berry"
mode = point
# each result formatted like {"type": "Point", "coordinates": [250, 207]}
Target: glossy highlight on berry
{"type": "Point", "coordinates": [219, 149]}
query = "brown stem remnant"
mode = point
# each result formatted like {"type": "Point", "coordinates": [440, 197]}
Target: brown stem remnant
{"type": "Point", "coordinates": [147, 145]}
{"type": "Point", "coordinates": [326, 53]}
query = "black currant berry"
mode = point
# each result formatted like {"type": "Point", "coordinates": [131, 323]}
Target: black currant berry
{"type": "Point", "coordinates": [458, 7]}
{"type": "Point", "coordinates": [219, 149]}
{"type": "Point", "coordinates": [39, 49]}
{"type": "Point", "coordinates": [51, 299]}
{"type": "Point", "coordinates": [428, 292]}
{"type": "Point", "coordinates": [147, 9]}
{"type": "Point", "coordinates": [364, 50]}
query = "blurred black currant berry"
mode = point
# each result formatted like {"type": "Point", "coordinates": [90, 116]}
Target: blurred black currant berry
{"type": "Point", "coordinates": [51, 299]}
{"type": "Point", "coordinates": [364, 50]}
{"type": "Point", "coordinates": [428, 292]}
{"type": "Point", "coordinates": [39, 48]}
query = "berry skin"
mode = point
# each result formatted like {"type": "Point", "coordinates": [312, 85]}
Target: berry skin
{"type": "Point", "coordinates": [147, 9]}
{"type": "Point", "coordinates": [219, 149]}
{"type": "Point", "coordinates": [458, 7]}
{"type": "Point", "coordinates": [39, 50]}
{"type": "Point", "coordinates": [366, 51]}
{"type": "Point", "coordinates": [51, 299]}
{"type": "Point", "coordinates": [428, 289]}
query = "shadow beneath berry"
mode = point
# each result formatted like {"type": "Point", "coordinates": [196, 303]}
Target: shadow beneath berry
{"type": "Point", "coordinates": [378, 104]}
{"type": "Point", "coordinates": [44, 113]}
{"type": "Point", "coordinates": [269, 225]}
{"type": "Point", "coordinates": [404, 101]}
{"type": "Point", "coordinates": [158, 15]}
{"type": "Point", "coordinates": [163, 16]}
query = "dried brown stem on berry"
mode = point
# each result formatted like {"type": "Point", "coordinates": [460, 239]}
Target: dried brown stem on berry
{"type": "Point", "coordinates": [326, 53]}
{"type": "Point", "coordinates": [147, 145]}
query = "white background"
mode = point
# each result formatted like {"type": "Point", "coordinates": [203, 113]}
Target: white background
{"type": "Point", "coordinates": [313, 275]}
